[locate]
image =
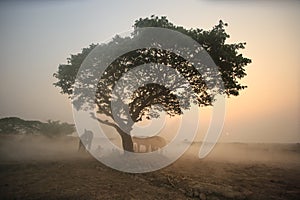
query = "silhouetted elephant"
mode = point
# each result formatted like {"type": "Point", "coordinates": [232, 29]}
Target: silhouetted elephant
{"type": "Point", "coordinates": [86, 140]}
{"type": "Point", "coordinates": [149, 143]}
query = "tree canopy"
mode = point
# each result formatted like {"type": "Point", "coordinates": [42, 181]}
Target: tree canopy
{"type": "Point", "coordinates": [15, 125]}
{"type": "Point", "coordinates": [150, 99]}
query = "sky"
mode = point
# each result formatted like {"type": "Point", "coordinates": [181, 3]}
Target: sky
{"type": "Point", "coordinates": [37, 36]}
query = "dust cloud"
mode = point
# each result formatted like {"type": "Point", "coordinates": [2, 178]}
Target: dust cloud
{"type": "Point", "coordinates": [268, 153]}
{"type": "Point", "coordinates": [38, 148]}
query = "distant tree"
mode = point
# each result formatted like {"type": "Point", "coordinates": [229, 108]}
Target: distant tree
{"type": "Point", "coordinates": [56, 128]}
{"type": "Point", "coordinates": [144, 100]}
{"type": "Point", "coordinates": [15, 125]}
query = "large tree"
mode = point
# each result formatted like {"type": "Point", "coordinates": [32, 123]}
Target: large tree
{"type": "Point", "coordinates": [148, 100]}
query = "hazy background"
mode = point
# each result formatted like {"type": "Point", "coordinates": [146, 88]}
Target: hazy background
{"type": "Point", "coordinates": [37, 36]}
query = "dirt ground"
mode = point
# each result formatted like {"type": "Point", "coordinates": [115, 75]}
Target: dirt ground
{"type": "Point", "coordinates": [41, 168]}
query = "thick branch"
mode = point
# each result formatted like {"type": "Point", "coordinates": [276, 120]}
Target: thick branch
{"type": "Point", "coordinates": [106, 122]}
{"type": "Point", "coordinates": [144, 104]}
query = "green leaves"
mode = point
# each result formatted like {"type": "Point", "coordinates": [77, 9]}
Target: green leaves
{"type": "Point", "coordinates": [66, 73]}
{"type": "Point", "coordinates": [230, 62]}
{"type": "Point", "coordinates": [14, 125]}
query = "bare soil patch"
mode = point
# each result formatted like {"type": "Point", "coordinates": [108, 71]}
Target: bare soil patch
{"type": "Point", "coordinates": [41, 168]}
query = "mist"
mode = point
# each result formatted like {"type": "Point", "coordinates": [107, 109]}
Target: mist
{"type": "Point", "coordinates": [42, 148]}
{"type": "Point", "coordinates": [38, 148]}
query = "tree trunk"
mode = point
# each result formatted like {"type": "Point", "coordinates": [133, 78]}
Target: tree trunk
{"type": "Point", "coordinates": [126, 141]}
